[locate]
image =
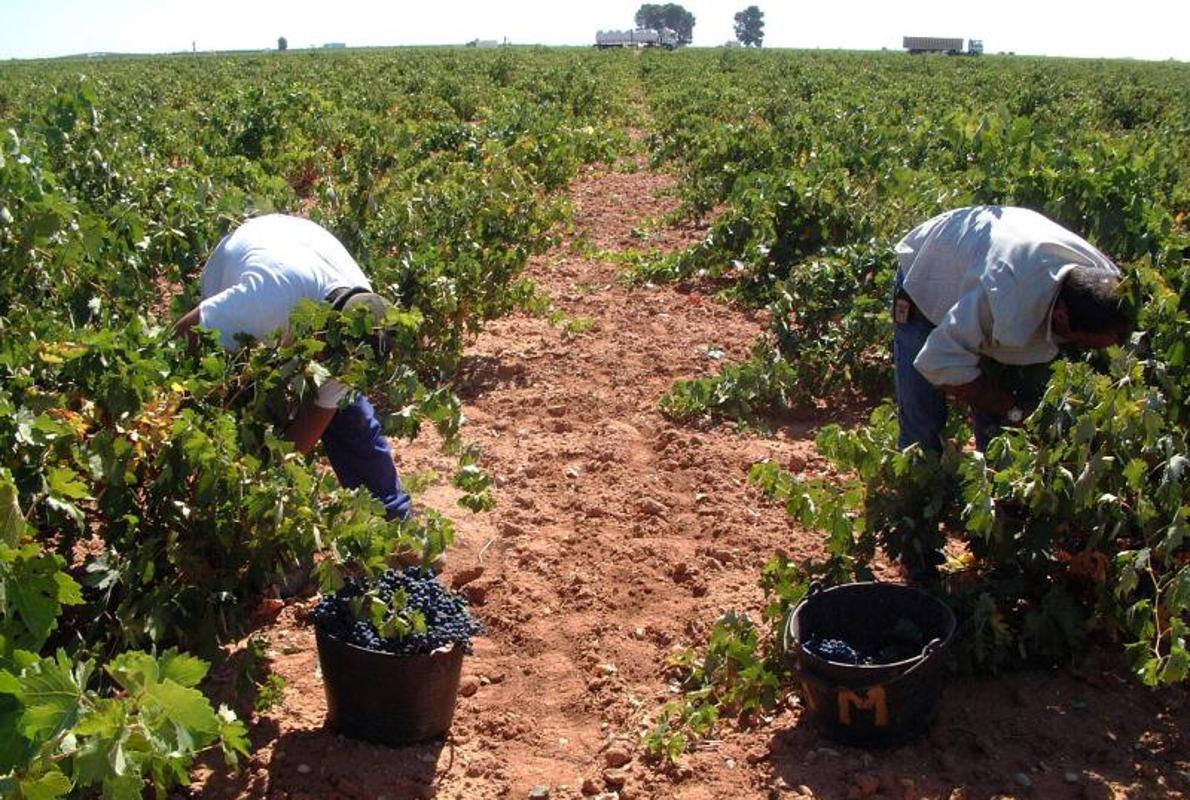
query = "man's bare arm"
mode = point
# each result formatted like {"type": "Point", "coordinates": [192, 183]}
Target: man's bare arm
{"type": "Point", "coordinates": [310, 422]}
{"type": "Point", "coordinates": [308, 426]}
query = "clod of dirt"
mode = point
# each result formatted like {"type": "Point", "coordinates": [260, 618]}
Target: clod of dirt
{"type": "Point", "coordinates": [650, 505]}
{"type": "Point", "coordinates": [468, 685]}
{"type": "Point", "coordinates": [475, 593]}
{"type": "Point", "coordinates": [270, 607]}
{"type": "Point", "coordinates": [351, 789]}
{"type": "Point", "coordinates": [756, 756]}
{"type": "Point", "coordinates": [616, 756]}
{"type": "Point", "coordinates": [510, 528]}
{"type": "Point", "coordinates": [615, 778]}
{"type": "Point", "coordinates": [864, 785]}
{"type": "Point", "coordinates": [465, 576]}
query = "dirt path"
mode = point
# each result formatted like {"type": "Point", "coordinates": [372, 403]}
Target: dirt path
{"type": "Point", "coordinates": [619, 536]}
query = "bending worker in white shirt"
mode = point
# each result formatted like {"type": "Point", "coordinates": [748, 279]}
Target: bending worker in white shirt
{"type": "Point", "coordinates": [252, 281]}
{"type": "Point", "coordinates": [984, 298]}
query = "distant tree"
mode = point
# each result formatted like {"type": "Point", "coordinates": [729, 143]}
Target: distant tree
{"type": "Point", "coordinates": [670, 15]}
{"type": "Point", "coordinates": [282, 43]}
{"type": "Point", "coordinates": [749, 26]}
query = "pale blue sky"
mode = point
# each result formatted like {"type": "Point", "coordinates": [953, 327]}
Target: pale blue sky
{"type": "Point", "coordinates": [1151, 29]}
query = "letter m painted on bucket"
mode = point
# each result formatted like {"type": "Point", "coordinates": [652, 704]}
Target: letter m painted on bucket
{"type": "Point", "coordinates": [873, 700]}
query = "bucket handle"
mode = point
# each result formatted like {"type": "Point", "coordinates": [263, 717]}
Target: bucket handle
{"type": "Point", "coordinates": [927, 653]}
{"type": "Point", "coordinates": [787, 642]}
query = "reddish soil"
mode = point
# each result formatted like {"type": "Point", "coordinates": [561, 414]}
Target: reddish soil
{"type": "Point", "coordinates": [619, 536]}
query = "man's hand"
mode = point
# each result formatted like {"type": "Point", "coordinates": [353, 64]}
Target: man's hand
{"type": "Point", "coordinates": [185, 327]}
{"type": "Point", "coordinates": [308, 426]}
{"type": "Point", "coordinates": [983, 395]}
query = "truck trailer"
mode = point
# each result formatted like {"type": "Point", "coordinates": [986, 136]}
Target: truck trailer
{"type": "Point", "coordinates": [938, 44]}
{"type": "Point", "coordinates": [641, 37]}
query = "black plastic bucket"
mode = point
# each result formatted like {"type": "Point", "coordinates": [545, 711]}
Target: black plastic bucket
{"type": "Point", "coordinates": [385, 698]}
{"type": "Point", "coordinates": [879, 704]}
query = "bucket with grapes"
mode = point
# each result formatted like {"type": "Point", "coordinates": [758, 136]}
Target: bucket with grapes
{"type": "Point", "coordinates": [391, 652]}
{"type": "Point", "coordinates": [870, 659]}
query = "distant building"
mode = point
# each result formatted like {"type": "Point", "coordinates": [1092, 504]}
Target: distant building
{"type": "Point", "coordinates": [483, 43]}
{"type": "Point", "coordinates": [334, 46]}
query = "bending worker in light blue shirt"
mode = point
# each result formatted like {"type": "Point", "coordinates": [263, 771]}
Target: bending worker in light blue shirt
{"type": "Point", "coordinates": [984, 297]}
{"type": "Point", "coordinates": [251, 283]}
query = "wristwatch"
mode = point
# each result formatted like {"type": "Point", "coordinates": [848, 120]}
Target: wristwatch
{"type": "Point", "coordinates": [1014, 415]}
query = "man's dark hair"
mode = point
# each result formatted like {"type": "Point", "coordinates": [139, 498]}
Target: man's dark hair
{"type": "Point", "coordinates": [1094, 302]}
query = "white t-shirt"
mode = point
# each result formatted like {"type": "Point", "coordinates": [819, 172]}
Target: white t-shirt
{"type": "Point", "coordinates": [988, 277]}
{"type": "Point", "coordinates": [258, 274]}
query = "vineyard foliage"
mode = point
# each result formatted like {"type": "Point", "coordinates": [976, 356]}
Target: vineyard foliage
{"type": "Point", "coordinates": [810, 168]}
{"type": "Point", "coordinates": [148, 500]}
{"type": "Point", "coordinates": [147, 497]}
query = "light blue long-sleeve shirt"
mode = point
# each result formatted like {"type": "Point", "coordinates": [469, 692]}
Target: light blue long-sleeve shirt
{"type": "Point", "coordinates": [988, 277]}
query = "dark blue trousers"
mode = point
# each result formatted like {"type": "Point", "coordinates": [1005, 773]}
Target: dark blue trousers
{"type": "Point", "coordinates": [361, 455]}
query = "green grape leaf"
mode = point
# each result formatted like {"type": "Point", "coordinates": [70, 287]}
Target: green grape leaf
{"type": "Point", "coordinates": [233, 736]}
{"type": "Point", "coordinates": [12, 521]}
{"type": "Point", "coordinates": [193, 719]}
{"type": "Point", "coordinates": [65, 482]}
{"type": "Point", "coordinates": [49, 786]}
{"type": "Point", "coordinates": [53, 695]}
{"type": "Point", "coordinates": [185, 670]}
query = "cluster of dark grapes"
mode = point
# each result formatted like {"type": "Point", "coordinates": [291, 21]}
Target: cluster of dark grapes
{"type": "Point", "coordinates": [890, 651]}
{"type": "Point", "coordinates": [835, 650]}
{"type": "Point", "coordinates": [446, 614]}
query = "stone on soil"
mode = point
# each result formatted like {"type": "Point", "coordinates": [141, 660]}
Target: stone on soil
{"type": "Point", "coordinates": [469, 685]}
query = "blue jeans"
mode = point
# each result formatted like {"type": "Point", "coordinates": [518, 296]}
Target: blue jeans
{"type": "Point", "coordinates": [361, 455]}
{"type": "Point", "coordinates": [922, 406]}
